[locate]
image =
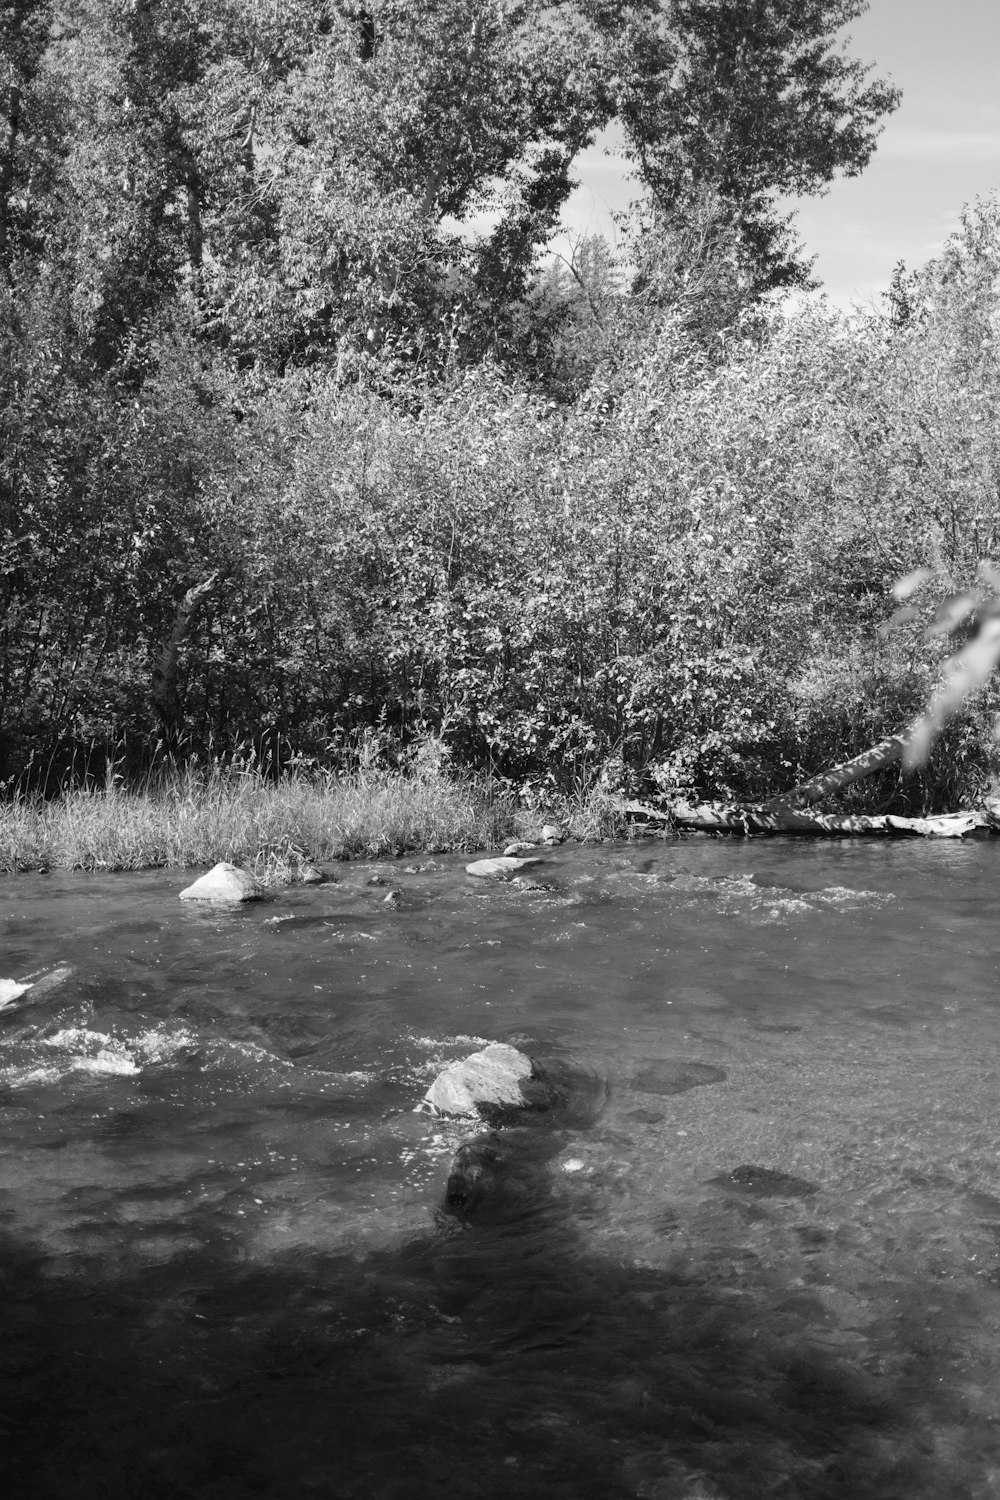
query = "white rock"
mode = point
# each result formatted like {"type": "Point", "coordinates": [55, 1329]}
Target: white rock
{"type": "Point", "coordinates": [518, 848]}
{"type": "Point", "coordinates": [10, 991]}
{"type": "Point", "coordinates": [499, 867]}
{"type": "Point", "coordinates": [223, 883]}
{"type": "Point", "coordinates": [492, 1076]}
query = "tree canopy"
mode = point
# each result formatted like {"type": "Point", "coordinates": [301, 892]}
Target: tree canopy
{"type": "Point", "coordinates": [311, 177]}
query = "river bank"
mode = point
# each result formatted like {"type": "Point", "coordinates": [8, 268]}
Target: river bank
{"type": "Point", "coordinates": [194, 817]}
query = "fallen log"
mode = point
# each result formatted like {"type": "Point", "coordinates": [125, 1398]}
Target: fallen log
{"type": "Point", "coordinates": [946, 826]}
{"type": "Point", "coordinates": [645, 812]}
{"type": "Point", "coordinates": [886, 753]}
{"type": "Point", "coordinates": [713, 817]}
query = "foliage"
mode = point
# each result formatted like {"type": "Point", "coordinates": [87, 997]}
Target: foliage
{"type": "Point", "coordinates": [314, 179]}
{"type": "Point", "coordinates": [301, 440]}
{"type": "Point", "coordinates": [749, 103]}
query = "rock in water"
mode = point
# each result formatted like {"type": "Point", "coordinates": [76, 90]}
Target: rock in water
{"type": "Point", "coordinates": [498, 868]}
{"type": "Point", "coordinates": [670, 1076]}
{"type": "Point", "coordinates": [494, 1076]}
{"type": "Point", "coordinates": [226, 884]}
{"type": "Point", "coordinates": [10, 991]}
{"type": "Point", "coordinates": [473, 1166]}
{"type": "Point", "coordinates": [500, 1175]}
{"type": "Point", "coordinates": [765, 1182]}
{"type": "Point", "coordinates": [18, 995]}
{"type": "Point", "coordinates": [47, 982]}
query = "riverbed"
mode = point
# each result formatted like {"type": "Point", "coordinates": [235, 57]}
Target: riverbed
{"type": "Point", "coordinates": [766, 1263]}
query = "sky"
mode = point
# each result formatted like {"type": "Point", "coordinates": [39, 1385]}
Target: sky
{"type": "Point", "coordinates": [939, 150]}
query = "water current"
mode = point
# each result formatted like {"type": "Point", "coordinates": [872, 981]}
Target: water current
{"type": "Point", "coordinates": [761, 1258]}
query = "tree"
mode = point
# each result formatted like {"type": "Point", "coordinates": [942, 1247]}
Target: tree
{"type": "Point", "coordinates": [215, 211]}
{"type": "Point", "coordinates": [24, 33]}
{"type": "Point", "coordinates": [749, 102]}
{"type": "Point", "coordinates": [419, 158]}
{"type": "Point", "coordinates": [316, 178]}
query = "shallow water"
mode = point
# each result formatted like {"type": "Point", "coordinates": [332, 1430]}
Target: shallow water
{"type": "Point", "coordinates": [761, 1258]}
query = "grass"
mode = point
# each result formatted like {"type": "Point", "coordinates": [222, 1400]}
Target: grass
{"type": "Point", "coordinates": [194, 817]}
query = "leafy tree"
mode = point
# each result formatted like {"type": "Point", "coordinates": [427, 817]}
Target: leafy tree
{"type": "Point", "coordinates": [749, 103]}
{"type": "Point", "coordinates": [24, 31]}
{"type": "Point", "coordinates": [340, 174]}
{"type": "Point", "coordinates": [218, 213]}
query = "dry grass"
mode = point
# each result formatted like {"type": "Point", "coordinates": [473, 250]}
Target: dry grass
{"type": "Point", "coordinates": [195, 817]}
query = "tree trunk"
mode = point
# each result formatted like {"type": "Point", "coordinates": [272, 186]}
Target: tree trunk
{"type": "Point", "coordinates": [163, 689]}
{"type": "Point", "coordinates": [709, 817]}
{"type": "Point", "coordinates": [706, 818]}
{"type": "Point", "coordinates": [195, 232]}
{"type": "Point", "coordinates": [885, 753]}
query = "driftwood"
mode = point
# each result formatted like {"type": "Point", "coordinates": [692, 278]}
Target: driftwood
{"type": "Point", "coordinates": [710, 818]}
{"type": "Point", "coordinates": [715, 817]}
{"type": "Point", "coordinates": [786, 814]}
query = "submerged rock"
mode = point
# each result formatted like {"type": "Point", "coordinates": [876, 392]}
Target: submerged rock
{"type": "Point", "coordinates": [224, 883]}
{"type": "Point", "coordinates": [16, 994]}
{"type": "Point", "coordinates": [498, 868]}
{"type": "Point", "coordinates": [645, 1116]}
{"type": "Point", "coordinates": [475, 1165]}
{"type": "Point", "coordinates": [495, 1076]}
{"type": "Point", "coordinates": [45, 983]}
{"type": "Point", "coordinates": [500, 1175]}
{"type": "Point", "coordinates": [675, 1076]}
{"type": "Point", "coordinates": [765, 1182]}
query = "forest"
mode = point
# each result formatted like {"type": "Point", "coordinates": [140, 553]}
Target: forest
{"type": "Point", "coordinates": [312, 448]}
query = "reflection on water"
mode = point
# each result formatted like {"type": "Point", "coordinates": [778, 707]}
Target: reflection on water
{"type": "Point", "coordinates": [754, 1253]}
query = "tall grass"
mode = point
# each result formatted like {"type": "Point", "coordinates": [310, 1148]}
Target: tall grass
{"type": "Point", "coordinates": [193, 816]}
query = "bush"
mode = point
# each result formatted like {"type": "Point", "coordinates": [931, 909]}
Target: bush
{"type": "Point", "coordinates": [681, 573]}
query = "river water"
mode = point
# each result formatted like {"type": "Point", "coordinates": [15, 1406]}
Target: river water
{"type": "Point", "coordinates": [761, 1259]}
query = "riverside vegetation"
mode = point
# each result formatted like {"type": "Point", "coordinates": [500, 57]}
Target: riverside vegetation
{"type": "Point", "coordinates": [297, 455]}
{"type": "Point", "coordinates": [193, 814]}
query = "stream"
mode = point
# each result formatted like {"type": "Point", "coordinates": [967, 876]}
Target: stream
{"type": "Point", "coordinates": [757, 1253]}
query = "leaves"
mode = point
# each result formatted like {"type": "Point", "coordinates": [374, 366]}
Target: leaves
{"type": "Point", "coordinates": [273, 309]}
